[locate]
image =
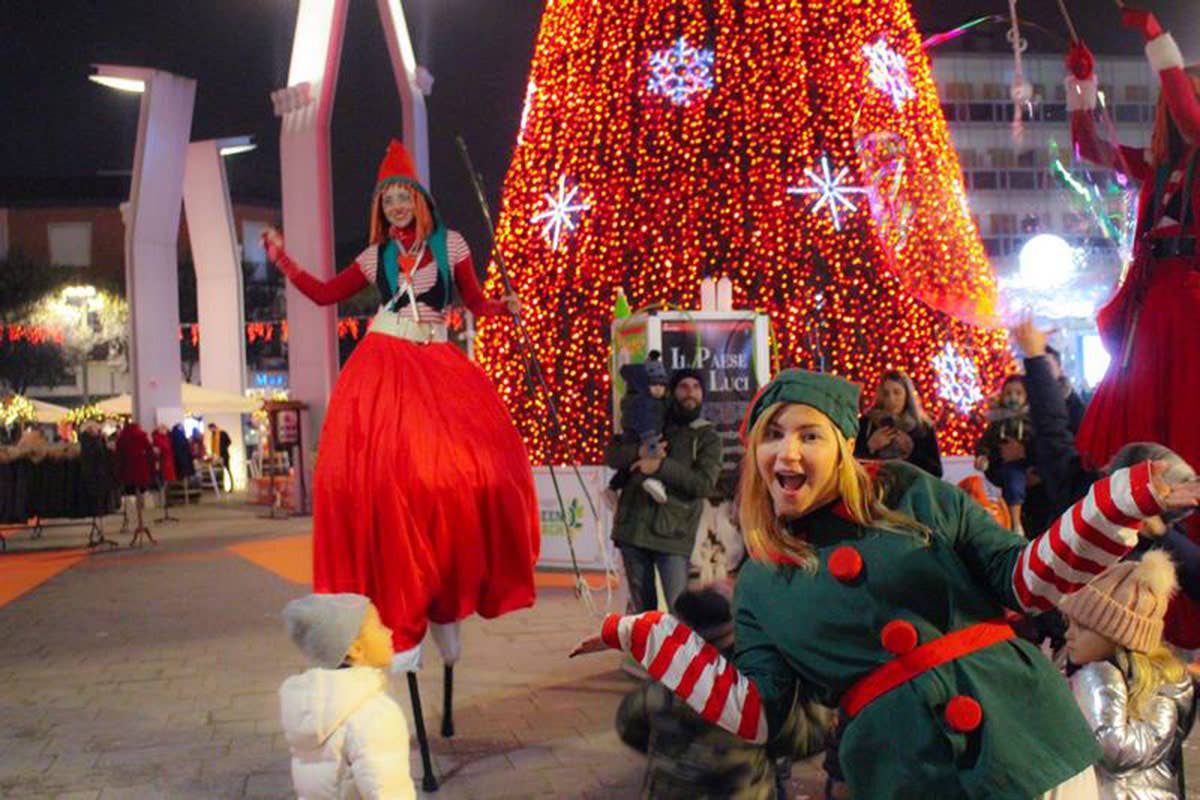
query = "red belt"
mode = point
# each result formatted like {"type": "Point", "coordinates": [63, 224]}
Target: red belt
{"type": "Point", "coordinates": [920, 659]}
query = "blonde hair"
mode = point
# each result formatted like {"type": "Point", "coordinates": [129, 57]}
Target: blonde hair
{"type": "Point", "coordinates": [768, 539]}
{"type": "Point", "coordinates": [1146, 672]}
{"type": "Point", "coordinates": [422, 218]}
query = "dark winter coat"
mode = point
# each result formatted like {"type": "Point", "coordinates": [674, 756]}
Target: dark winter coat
{"type": "Point", "coordinates": [689, 758]}
{"type": "Point", "coordinates": [925, 453]}
{"type": "Point", "coordinates": [185, 467]}
{"type": "Point", "coordinates": [689, 473]}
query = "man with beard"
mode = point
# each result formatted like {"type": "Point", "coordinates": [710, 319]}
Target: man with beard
{"type": "Point", "coordinates": [661, 535]}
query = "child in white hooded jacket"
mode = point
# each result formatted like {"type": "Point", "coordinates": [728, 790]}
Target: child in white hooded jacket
{"type": "Point", "coordinates": [347, 734]}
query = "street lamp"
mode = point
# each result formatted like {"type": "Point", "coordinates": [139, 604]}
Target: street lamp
{"type": "Point", "coordinates": [123, 79]}
{"type": "Point", "coordinates": [234, 145]}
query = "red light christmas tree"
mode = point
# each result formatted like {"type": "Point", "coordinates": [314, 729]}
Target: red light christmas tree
{"type": "Point", "coordinates": [796, 147]}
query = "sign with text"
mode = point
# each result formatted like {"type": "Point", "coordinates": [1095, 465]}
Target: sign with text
{"type": "Point", "coordinates": [573, 518]}
{"type": "Point", "coordinates": [723, 350]}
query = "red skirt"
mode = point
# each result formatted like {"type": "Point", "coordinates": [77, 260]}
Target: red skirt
{"type": "Point", "coordinates": [1153, 399]}
{"type": "Point", "coordinates": [423, 495]}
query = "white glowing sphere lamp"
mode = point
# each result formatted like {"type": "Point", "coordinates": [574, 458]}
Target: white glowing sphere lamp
{"type": "Point", "coordinates": [1046, 262]}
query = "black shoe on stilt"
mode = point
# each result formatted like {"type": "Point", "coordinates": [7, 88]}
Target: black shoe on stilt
{"type": "Point", "coordinates": [447, 701]}
{"type": "Point", "coordinates": [429, 782]}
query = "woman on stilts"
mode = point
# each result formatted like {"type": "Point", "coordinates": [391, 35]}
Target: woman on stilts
{"type": "Point", "coordinates": [1149, 325]}
{"type": "Point", "coordinates": [884, 594]}
{"type": "Point", "coordinates": [423, 494]}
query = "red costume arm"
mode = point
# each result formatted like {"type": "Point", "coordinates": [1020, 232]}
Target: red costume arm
{"type": "Point", "coordinates": [345, 284]}
{"type": "Point", "coordinates": [1177, 87]}
{"type": "Point", "coordinates": [1093, 147]}
{"type": "Point", "coordinates": [472, 295]}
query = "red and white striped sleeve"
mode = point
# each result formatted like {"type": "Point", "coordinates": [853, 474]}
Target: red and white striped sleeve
{"type": "Point", "coordinates": [694, 670]}
{"type": "Point", "coordinates": [1090, 537]}
{"type": "Point", "coordinates": [368, 262]}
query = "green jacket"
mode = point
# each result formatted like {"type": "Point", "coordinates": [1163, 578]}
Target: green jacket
{"type": "Point", "coordinates": [689, 474]}
{"type": "Point", "coordinates": [689, 758]}
{"type": "Point", "coordinates": [1032, 737]}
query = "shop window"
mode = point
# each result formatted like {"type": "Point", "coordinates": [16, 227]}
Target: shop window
{"type": "Point", "coordinates": [70, 244]}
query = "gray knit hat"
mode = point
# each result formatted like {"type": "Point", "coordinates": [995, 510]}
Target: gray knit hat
{"type": "Point", "coordinates": [324, 626]}
{"type": "Point", "coordinates": [656, 371]}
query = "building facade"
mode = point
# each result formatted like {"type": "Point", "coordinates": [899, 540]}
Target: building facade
{"type": "Point", "coordinates": [1016, 191]}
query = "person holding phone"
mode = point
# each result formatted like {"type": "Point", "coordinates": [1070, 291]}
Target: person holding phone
{"type": "Point", "coordinates": [896, 427]}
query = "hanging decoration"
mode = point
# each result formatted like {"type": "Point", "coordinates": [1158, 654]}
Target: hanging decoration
{"type": "Point", "coordinates": [560, 212]}
{"type": "Point", "coordinates": [681, 71]}
{"type": "Point", "coordinates": [957, 379]}
{"type": "Point", "coordinates": [830, 191]}
{"type": "Point", "coordinates": [888, 71]}
{"type": "Point", "coordinates": [1021, 90]}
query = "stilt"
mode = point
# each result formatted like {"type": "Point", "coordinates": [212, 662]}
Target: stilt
{"type": "Point", "coordinates": [429, 782]}
{"type": "Point", "coordinates": [447, 701]}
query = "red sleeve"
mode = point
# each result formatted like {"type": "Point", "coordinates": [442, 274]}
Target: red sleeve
{"type": "Point", "coordinates": [345, 284]}
{"type": "Point", "coordinates": [1093, 147]}
{"type": "Point", "coordinates": [472, 295]}
{"type": "Point", "coordinates": [1181, 102]}
{"type": "Point", "coordinates": [1164, 56]}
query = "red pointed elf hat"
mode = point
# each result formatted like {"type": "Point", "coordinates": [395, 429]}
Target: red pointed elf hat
{"type": "Point", "coordinates": [397, 165]}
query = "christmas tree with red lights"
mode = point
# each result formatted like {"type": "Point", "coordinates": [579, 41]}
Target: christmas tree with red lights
{"type": "Point", "coordinates": [796, 147]}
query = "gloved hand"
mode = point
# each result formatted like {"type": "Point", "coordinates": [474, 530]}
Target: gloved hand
{"type": "Point", "coordinates": [1143, 21]}
{"type": "Point", "coordinates": [272, 241]}
{"type": "Point", "coordinates": [1080, 61]}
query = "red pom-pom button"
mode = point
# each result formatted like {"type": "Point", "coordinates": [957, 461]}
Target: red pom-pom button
{"type": "Point", "coordinates": [963, 714]}
{"type": "Point", "coordinates": [845, 564]}
{"type": "Point", "coordinates": [898, 637]}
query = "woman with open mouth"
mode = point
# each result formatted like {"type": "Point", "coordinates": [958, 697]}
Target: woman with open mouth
{"type": "Point", "coordinates": [884, 594]}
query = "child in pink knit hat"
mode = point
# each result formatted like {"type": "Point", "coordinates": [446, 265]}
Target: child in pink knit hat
{"type": "Point", "coordinates": [1136, 695]}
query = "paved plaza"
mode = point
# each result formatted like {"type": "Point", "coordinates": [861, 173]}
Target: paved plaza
{"type": "Point", "coordinates": [152, 673]}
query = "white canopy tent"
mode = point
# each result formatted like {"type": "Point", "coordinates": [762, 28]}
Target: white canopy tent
{"type": "Point", "coordinates": [47, 412]}
{"type": "Point", "coordinates": [197, 401]}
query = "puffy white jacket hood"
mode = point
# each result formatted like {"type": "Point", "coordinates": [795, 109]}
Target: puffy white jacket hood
{"type": "Point", "coordinates": [317, 702]}
{"type": "Point", "coordinates": [348, 736]}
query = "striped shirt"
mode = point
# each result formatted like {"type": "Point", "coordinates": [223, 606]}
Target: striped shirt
{"type": "Point", "coordinates": [422, 278]}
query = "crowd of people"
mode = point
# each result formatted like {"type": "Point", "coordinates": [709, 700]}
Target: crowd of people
{"type": "Point", "coordinates": [927, 645]}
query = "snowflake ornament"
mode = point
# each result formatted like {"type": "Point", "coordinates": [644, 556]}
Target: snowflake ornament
{"type": "Point", "coordinates": [560, 212]}
{"type": "Point", "coordinates": [889, 72]}
{"type": "Point", "coordinates": [957, 379]}
{"type": "Point", "coordinates": [830, 191]}
{"type": "Point", "coordinates": [681, 71]}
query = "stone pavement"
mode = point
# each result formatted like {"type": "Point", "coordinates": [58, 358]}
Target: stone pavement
{"type": "Point", "coordinates": [153, 673]}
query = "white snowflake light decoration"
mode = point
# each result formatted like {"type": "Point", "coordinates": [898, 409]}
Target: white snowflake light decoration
{"type": "Point", "coordinates": [830, 191]}
{"type": "Point", "coordinates": [681, 71]}
{"type": "Point", "coordinates": [957, 379]}
{"type": "Point", "coordinates": [889, 72]}
{"type": "Point", "coordinates": [560, 212]}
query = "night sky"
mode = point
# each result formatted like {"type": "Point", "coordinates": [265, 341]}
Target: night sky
{"type": "Point", "coordinates": [57, 123]}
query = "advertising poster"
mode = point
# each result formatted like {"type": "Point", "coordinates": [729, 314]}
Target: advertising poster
{"type": "Point", "coordinates": [723, 350]}
{"type": "Point", "coordinates": [589, 535]}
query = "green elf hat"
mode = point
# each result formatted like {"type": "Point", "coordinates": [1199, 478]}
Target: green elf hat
{"type": "Point", "coordinates": [836, 398]}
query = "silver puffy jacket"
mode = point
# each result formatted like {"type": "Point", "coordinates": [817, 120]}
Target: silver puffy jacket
{"type": "Point", "coordinates": [1141, 759]}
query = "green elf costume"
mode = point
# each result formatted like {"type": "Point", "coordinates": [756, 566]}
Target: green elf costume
{"type": "Point", "coordinates": [906, 634]}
